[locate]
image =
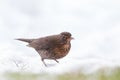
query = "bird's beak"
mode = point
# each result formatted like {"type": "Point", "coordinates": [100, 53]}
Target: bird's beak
{"type": "Point", "coordinates": [71, 38]}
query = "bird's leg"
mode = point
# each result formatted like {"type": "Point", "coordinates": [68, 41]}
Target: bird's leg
{"type": "Point", "coordinates": [56, 61]}
{"type": "Point", "coordinates": [44, 62]}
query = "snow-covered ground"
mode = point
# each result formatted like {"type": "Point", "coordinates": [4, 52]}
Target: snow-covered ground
{"type": "Point", "coordinates": [95, 25]}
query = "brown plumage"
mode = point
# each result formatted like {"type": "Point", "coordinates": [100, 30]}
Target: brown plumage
{"type": "Point", "coordinates": [51, 47]}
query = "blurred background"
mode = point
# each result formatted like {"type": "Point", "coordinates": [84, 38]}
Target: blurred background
{"type": "Point", "coordinates": [95, 25]}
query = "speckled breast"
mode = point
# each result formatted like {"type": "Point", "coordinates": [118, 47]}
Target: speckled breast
{"type": "Point", "coordinates": [60, 52]}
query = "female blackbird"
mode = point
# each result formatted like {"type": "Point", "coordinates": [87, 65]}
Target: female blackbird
{"type": "Point", "coordinates": [51, 47]}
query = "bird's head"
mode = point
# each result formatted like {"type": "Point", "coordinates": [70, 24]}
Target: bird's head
{"type": "Point", "coordinates": [67, 36]}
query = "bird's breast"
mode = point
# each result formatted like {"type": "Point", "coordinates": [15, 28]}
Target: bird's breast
{"type": "Point", "coordinates": [60, 52]}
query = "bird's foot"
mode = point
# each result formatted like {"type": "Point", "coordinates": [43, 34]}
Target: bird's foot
{"type": "Point", "coordinates": [56, 61]}
{"type": "Point", "coordinates": [44, 63]}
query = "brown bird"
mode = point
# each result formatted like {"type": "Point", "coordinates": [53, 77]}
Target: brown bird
{"type": "Point", "coordinates": [51, 47]}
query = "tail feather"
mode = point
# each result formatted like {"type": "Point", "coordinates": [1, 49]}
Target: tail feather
{"type": "Point", "coordinates": [25, 40]}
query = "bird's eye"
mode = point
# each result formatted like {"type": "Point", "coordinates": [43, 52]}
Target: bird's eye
{"type": "Point", "coordinates": [65, 37]}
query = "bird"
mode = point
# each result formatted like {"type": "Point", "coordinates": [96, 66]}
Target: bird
{"type": "Point", "coordinates": [51, 47]}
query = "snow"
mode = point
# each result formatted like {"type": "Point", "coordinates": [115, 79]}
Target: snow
{"type": "Point", "coordinates": [95, 25]}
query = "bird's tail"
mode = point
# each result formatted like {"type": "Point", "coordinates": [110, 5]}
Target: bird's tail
{"type": "Point", "coordinates": [25, 40]}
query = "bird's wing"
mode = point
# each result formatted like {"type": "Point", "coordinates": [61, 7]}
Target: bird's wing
{"type": "Point", "coordinates": [46, 43]}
